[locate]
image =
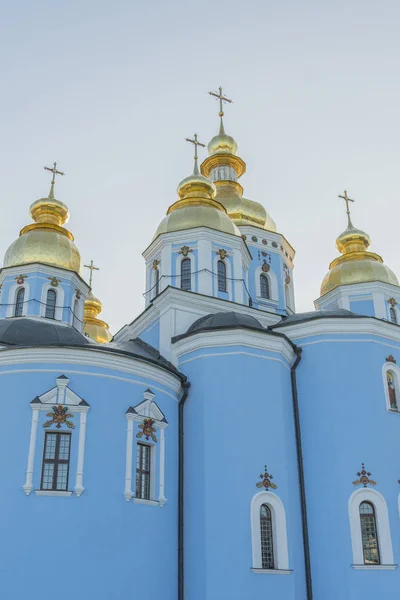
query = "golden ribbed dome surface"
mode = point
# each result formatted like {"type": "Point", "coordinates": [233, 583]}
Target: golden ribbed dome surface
{"type": "Point", "coordinates": [356, 265]}
{"type": "Point", "coordinates": [243, 211]}
{"type": "Point", "coordinates": [94, 327]}
{"type": "Point", "coordinates": [45, 241]}
{"type": "Point", "coordinates": [222, 143]}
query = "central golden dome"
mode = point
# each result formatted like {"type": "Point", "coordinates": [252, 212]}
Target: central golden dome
{"type": "Point", "coordinates": [196, 207]}
{"type": "Point", "coordinates": [225, 168]}
{"type": "Point", "coordinates": [45, 241]}
{"type": "Point", "coordinates": [356, 265]}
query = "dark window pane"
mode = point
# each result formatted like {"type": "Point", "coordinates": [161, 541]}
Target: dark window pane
{"type": "Point", "coordinates": [19, 303]}
{"type": "Point", "coordinates": [264, 286]}
{"type": "Point", "coordinates": [56, 457]}
{"type": "Point", "coordinates": [186, 274]}
{"type": "Point", "coordinates": [221, 276]}
{"type": "Point", "coordinates": [267, 543]}
{"type": "Point", "coordinates": [369, 535]}
{"type": "Point", "coordinates": [157, 282]}
{"type": "Point", "coordinates": [50, 304]}
{"type": "Point", "coordinates": [393, 316]}
{"type": "Point", "coordinates": [143, 455]}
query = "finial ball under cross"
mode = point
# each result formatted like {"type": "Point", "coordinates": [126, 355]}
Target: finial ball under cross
{"type": "Point", "coordinates": [221, 99]}
{"type": "Point", "coordinates": [92, 268]}
{"type": "Point", "coordinates": [54, 171]}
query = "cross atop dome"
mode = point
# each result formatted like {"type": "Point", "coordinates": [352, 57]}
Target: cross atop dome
{"type": "Point", "coordinates": [345, 197]}
{"type": "Point", "coordinates": [55, 172]}
{"type": "Point", "coordinates": [196, 143]}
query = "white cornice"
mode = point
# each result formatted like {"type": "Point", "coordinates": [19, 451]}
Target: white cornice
{"type": "Point", "coordinates": [345, 326]}
{"type": "Point", "coordinates": [196, 234]}
{"type": "Point", "coordinates": [89, 357]}
{"type": "Point", "coordinates": [28, 269]}
{"type": "Point", "coordinates": [280, 239]}
{"type": "Point", "coordinates": [235, 337]}
{"type": "Point", "coordinates": [369, 288]}
{"type": "Point", "coordinates": [175, 298]}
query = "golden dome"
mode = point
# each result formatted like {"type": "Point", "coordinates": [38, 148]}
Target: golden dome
{"type": "Point", "coordinates": [196, 207]}
{"type": "Point", "coordinates": [45, 241]}
{"type": "Point", "coordinates": [225, 167]}
{"type": "Point", "coordinates": [93, 327]}
{"type": "Point", "coordinates": [356, 265]}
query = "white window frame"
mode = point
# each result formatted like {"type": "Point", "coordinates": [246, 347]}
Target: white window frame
{"type": "Point", "coordinates": [12, 299]}
{"type": "Point", "coordinates": [273, 285]}
{"type": "Point", "coordinates": [229, 276]}
{"type": "Point", "coordinates": [61, 394]}
{"type": "Point", "coordinates": [389, 366]}
{"type": "Point", "coordinates": [59, 290]}
{"type": "Point", "coordinates": [279, 533]}
{"type": "Point", "coordinates": [382, 528]}
{"type": "Point", "coordinates": [148, 408]}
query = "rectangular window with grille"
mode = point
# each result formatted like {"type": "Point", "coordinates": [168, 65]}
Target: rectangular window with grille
{"type": "Point", "coordinates": [56, 457]}
{"type": "Point", "coordinates": [143, 471]}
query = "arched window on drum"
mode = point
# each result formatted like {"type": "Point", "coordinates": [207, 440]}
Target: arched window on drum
{"type": "Point", "coordinates": [392, 390]}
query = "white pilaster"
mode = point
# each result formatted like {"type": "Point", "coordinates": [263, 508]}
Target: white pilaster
{"type": "Point", "coordinates": [379, 305]}
{"type": "Point", "coordinates": [165, 267]}
{"type": "Point", "coordinates": [205, 267]}
{"type": "Point", "coordinates": [240, 292]}
{"type": "Point", "coordinates": [28, 486]}
{"type": "Point", "coordinates": [79, 489]}
{"type": "Point", "coordinates": [161, 497]}
{"type": "Point", "coordinates": [128, 468]}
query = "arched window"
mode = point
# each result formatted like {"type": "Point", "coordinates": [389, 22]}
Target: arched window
{"type": "Point", "coordinates": [221, 276]}
{"type": "Point", "coordinates": [19, 303]}
{"type": "Point", "coordinates": [186, 274]}
{"type": "Point", "coordinates": [392, 390]}
{"type": "Point", "coordinates": [369, 535]}
{"type": "Point", "coordinates": [157, 279]}
{"type": "Point", "coordinates": [267, 542]}
{"type": "Point", "coordinates": [50, 304]}
{"type": "Point", "coordinates": [264, 286]}
{"type": "Point", "coordinates": [393, 316]}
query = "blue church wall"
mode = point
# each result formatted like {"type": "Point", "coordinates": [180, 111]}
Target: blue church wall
{"type": "Point", "coordinates": [344, 423]}
{"type": "Point", "coordinates": [97, 545]}
{"type": "Point", "coordinates": [238, 418]}
{"type": "Point", "coordinates": [151, 335]}
{"type": "Point", "coordinates": [363, 307]}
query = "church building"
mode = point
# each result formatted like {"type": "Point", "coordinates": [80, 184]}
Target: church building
{"type": "Point", "coordinates": [221, 446]}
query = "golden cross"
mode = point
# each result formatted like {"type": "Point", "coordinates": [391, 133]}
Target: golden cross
{"type": "Point", "coordinates": [196, 143]}
{"type": "Point", "coordinates": [92, 268]}
{"type": "Point", "coordinates": [347, 200]}
{"type": "Point", "coordinates": [54, 171]}
{"type": "Point", "coordinates": [221, 99]}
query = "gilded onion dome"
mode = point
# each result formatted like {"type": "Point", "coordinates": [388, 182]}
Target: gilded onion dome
{"type": "Point", "coordinates": [196, 206]}
{"type": "Point", "coordinates": [225, 167]}
{"type": "Point", "coordinates": [94, 327]}
{"type": "Point", "coordinates": [356, 264]}
{"type": "Point", "coordinates": [45, 240]}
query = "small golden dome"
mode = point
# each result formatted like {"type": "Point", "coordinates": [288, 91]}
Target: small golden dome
{"type": "Point", "coordinates": [222, 143]}
{"type": "Point", "coordinates": [356, 265]}
{"type": "Point", "coordinates": [196, 207]}
{"type": "Point", "coordinates": [45, 241]}
{"type": "Point", "coordinates": [94, 327]}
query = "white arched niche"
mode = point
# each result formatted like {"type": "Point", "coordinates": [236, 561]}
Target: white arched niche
{"type": "Point", "coordinates": [279, 533]}
{"type": "Point", "coordinates": [382, 526]}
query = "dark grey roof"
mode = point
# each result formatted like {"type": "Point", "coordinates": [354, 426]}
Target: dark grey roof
{"type": "Point", "coordinates": [222, 320]}
{"type": "Point", "coordinates": [315, 314]}
{"type": "Point", "coordinates": [28, 332]}
{"type": "Point", "coordinates": [34, 332]}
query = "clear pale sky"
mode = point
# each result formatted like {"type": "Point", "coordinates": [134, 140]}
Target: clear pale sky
{"type": "Point", "coordinates": [110, 90]}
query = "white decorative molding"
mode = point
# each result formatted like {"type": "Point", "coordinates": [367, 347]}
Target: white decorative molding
{"type": "Point", "coordinates": [273, 284]}
{"type": "Point", "coordinates": [342, 326]}
{"type": "Point", "coordinates": [235, 337]}
{"type": "Point", "coordinates": [59, 307]}
{"type": "Point", "coordinates": [382, 526]}
{"type": "Point", "coordinates": [145, 410]}
{"type": "Point", "coordinates": [60, 394]}
{"type": "Point", "coordinates": [279, 532]}
{"type": "Point", "coordinates": [53, 493]}
{"type": "Point", "coordinates": [12, 298]}
{"type": "Point", "coordinates": [272, 571]}
{"type": "Point", "coordinates": [374, 567]}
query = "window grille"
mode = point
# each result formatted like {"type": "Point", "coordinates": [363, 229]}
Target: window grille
{"type": "Point", "coordinates": [19, 303]}
{"type": "Point", "coordinates": [264, 286]}
{"type": "Point", "coordinates": [56, 461]}
{"type": "Point", "coordinates": [267, 543]}
{"type": "Point", "coordinates": [143, 455]}
{"type": "Point", "coordinates": [186, 274]}
{"type": "Point", "coordinates": [393, 316]}
{"type": "Point", "coordinates": [50, 304]}
{"type": "Point", "coordinates": [369, 535]}
{"type": "Point", "coordinates": [221, 276]}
